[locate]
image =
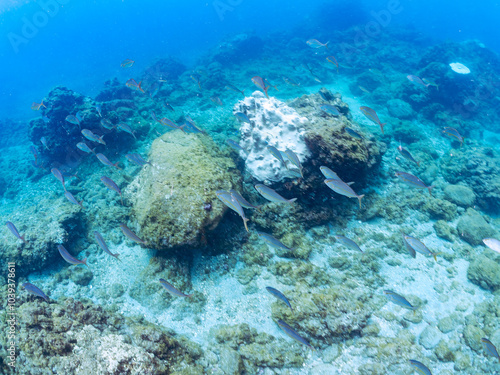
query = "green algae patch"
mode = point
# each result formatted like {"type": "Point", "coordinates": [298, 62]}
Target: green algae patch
{"type": "Point", "coordinates": [174, 200]}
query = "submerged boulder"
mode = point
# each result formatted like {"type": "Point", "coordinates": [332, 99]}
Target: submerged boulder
{"type": "Point", "coordinates": [174, 200]}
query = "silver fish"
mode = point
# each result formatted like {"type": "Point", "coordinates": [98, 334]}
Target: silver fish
{"type": "Point", "coordinates": [104, 160]}
{"type": "Point", "coordinates": [420, 367]}
{"type": "Point", "coordinates": [32, 289]}
{"type": "Point", "coordinates": [348, 242]}
{"type": "Point", "coordinates": [131, 235]}
{"type": "Point", "coordinates": [110, 184]}
{"type": "Point", "coordinates": [70, 258]}
{"type": "Point", "coordinates": [107, 124]}
{"type": "Point", "coordinates": [14, 231]}
{"type": "Point", "coordinates": [294, 159]}
{"type": "Point", "coordinates": [294, 335]}
{"type": "Point", "coordinates": [342, 188]}
{"type": "Point", "coordinates": [419, 247]}
{"type": "Point", "coordinates": [102, 244]}
{"type": "Point", "coordinates": [137, 159]}
{"type": "Point", "coordinates": [57, 174]}
{"type": "Point", "coordinates": [234, 145]}
{"type": "Point", "coordinates": [242, 201]}
{"type": "Point", "coordinates": [92, 137]}
{"type": "Point", "coordinates": [413, 181]}
{"type": "Point", "coordinates": [398, 300]}
{"type": "Point", "coordinates": [72, 199]}
{"type": "Point", "coordinates": [173, 290]}
{"type": "Point", "coordinates": [273, 242]}
{"type": "Point", "coordinates": [230, 201]}
{"type": "Point", "coordinates": [85, 148]}
{"type": "Point", "coordinates": [328, 173]}
{"type": "Point", "coordinates": [490, 348]}
{"type": "Point", "coordinates": [271, 195]}
{"type": "Point", "coordinates": [406, 154]}
{"type": "Point", "coordinates": [493, 244]}
{"type": "Point", "coordinates": [126, 128]}
{"type": "Point", "coordinates": [279, 295]}
{"type": "Point", "coordinates": [277, 154]}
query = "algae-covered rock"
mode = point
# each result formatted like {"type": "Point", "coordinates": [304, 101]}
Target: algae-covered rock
{"type": "Point", "coordinates": [444, 230]}
{"type": "Point", "coordinates": [473, 228]}
{"type": "Point", "coordinates": [258, 349]}
{"type": "Point", "coordinates": [328, 315]}
{"type": "Point", "coordinates": [174, 200]}
{"type": "Point", "coordinates": [460, 195]}
{"type": "Point", "coordinates": [484, 272]}
{"type": "Point", "coordinates": [472, 336]}
{"type": "Point", "coordinates": [430, 337]}
{"type": "Point", "coordinates": [73, 337]}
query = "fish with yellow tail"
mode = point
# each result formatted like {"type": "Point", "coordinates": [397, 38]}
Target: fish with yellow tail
{"type": "Point", "coordinates": [340, 187]}
{"type": "Point", "coordinates": [413, 181]}
{"type": "Point", "coordinates": [372, 115]}
{"type": "Point", "coordinates": [272, 195]}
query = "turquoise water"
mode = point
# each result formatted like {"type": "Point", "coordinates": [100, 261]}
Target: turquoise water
{"type": "Point", "coordinates": [361, 184]}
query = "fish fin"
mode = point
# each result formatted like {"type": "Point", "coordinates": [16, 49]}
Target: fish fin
{"type": "Point", "coordinates": [292, 200]}
{"type": "Point", "coordinates": [435, 255]}
{"type": "Point", "coordinates": [359, 198]}
{"type": "Point", "coordinates": [430, 189]}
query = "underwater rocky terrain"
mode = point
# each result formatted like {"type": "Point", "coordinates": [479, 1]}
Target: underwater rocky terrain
{"type": "Point", "coordinates": [156, 161]}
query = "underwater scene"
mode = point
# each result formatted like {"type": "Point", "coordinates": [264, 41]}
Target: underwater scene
{"type": "Point", "coordinates": [250, 187]}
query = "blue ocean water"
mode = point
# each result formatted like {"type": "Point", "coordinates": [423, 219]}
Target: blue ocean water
{"type": "Point", "coordinates": [240, 182]}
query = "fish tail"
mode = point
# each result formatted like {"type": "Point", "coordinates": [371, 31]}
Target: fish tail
{"type": "Point", "coordinates": [81, 204]}
{"type": "Point", "coordinates": [121, 199]}
{"type": "Point", "coordinates": [418, 164]}
{"type": "Point", "coordinates": [245, 223]}
{"type": "Point", "coordinates": [382, 127]}
{"type": "Point", "coordinates": [43, 104]}
{"type": "Point", "coordinates": [435, 255]}
{"type": "Point", "coordinates": [265, 91]}
{"type": "Point", "coordinates": [243, 92]}
{"type": "Point", "coordinates": [116, 255]}
{"type": "Point", "coordinates": [84, 261]}
{"type": "Point", "coordinates": [116, 166]}
{"type": "Point", "coordinates": [139, 87]}
{"type": "Point", "coordinates": [189, 295]}
{"type": "Point", "coordinates": [430, 189]}
{"type": "Point", "coordinates": [359, 198]}
{"type": "Point", "coordinates": [292, 200]}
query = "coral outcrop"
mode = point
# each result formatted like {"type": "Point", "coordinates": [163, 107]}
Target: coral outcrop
{"type": "Point", "coordinates": [272, 123]}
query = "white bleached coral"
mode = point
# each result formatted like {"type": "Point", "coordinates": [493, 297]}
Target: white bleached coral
{"type": "Point", "coordinates": [459, 68]}
{"type": "Point", "coordinates": [272, 123]}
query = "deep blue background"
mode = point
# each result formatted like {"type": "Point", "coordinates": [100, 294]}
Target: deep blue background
{"type": "Point", "coordinates": [83, 44]}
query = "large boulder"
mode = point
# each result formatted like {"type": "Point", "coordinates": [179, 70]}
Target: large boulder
{"type": "Point", "coordinates": [174, 200]}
